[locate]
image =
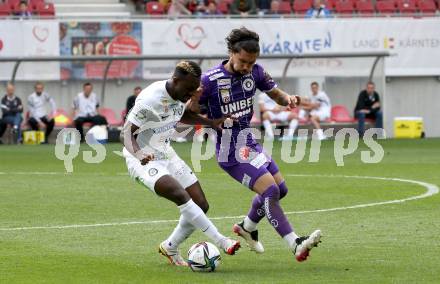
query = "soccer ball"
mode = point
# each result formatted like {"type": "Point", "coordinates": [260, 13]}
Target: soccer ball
{"type": "Point", "coordinates": [203, 257]}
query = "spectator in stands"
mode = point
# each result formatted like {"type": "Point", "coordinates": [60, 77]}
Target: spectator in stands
{"type": "Point", "coordinates": [316, 108]}
{"type": "Point", "coordinates": [211, 9]}
{"type": "Point", "coordinates": [368, 106]}
{"type": "Point", "coordinates": [243, 7]}
{"type": "Point", "coordinates": [274, 8]}
{"type": "Point", "coordinates": [38, 116]}
{"type": "Point", "coordinates": [131, 99]}
{"type": "Point", "coordinates": [23, 12]}
{"type": "Point", "coordinates": [85, 107]}
{"type": "Point", "coordinates": [318, 11]}
{"type": "Point", "coordinates": [263, 6]}
{"type": "Point", "coordinates": [179, 7]}
{"type": "Point", "coordinates": [12, 109]}
{"type": "Point", "coordinates": [272, 112]}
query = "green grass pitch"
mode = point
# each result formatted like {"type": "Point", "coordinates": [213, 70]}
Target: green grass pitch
{"type": "Point", "coordinates": [391, 243]}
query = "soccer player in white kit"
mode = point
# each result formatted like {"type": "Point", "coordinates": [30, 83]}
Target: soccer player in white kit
{"type": "Point", "coordinates": [152, 161]}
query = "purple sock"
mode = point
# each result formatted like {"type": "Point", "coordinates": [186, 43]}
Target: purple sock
{"type": "Point", "coordinates": [283, 189]}
{"type": "Point", "coordinates": [256, 213]}
{"type": "Point", "coordinates": [274, 212]}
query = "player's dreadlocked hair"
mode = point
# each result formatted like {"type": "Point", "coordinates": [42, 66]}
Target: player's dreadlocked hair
{"type": "Point", "coordinates": [186, 67]}
{"type": "Point", "coordinates": [243, 38]}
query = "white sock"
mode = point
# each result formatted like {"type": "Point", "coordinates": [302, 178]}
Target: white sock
{"type": "Point", "coordinates": [249, 225]}
{"type": "Point", "coordinates": [320, 133]}
{"type": "Point", "coordinates": [268, 128]}
{"type": "Point", "coordinates": [182, 231]}
{"type": "Point", "coordinates": [292, 127]}
{"type": "Point", "coordinates": [194, 215]}
{"type": "Point", "coordinates": [290, 239]}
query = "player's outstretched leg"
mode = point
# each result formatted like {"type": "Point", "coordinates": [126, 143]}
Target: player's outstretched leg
{"type": "Point", "coordinates": [247, 229]}
{"type": "Point", "coordinates": [170, 189]}
{"type": "Point", "coordinates": [170, 247]}
{"type": "Point", "coordinates": [270, 193]}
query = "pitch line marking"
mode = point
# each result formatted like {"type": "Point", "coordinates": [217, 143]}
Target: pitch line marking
{"type": "Point", "coordinates": [431, 189]}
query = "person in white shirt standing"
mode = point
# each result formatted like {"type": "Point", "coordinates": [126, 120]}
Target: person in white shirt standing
{"type": "Point", "coordinates": [38, 115]}
{"type": "Point", "coordinates": [316, 109]}
{"type": "Point", "coordinates": [85, 107]}
{"type": "Point", "coordinates": [153, 163]}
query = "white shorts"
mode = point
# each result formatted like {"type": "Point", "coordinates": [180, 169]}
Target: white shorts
{"type": "Point", "coordinates": [280, 116]}
{"type": "Point", "coordinates": [323, 114]}
{"type": "Point", "coordinates": [150, 173]}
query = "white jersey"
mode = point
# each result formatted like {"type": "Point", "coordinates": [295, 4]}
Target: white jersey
{"type": "Point", "coordinates": [269, 104]}
{"type": "Point", "coordinates": [37, 105]}
{"type": "Point", "coordinates": [85, 106]}
{"type": "Point", "coordinates": [322, 98]}
{"type": "Point", "coordinates": [156, 114]}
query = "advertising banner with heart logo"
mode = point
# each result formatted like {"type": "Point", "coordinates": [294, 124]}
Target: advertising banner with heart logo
{"type": "Point", "coordinates": [415, 43]}
{"type": "Point", "coordinates": [30, 38]}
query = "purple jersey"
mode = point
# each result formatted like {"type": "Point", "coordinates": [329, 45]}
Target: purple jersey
{"type": "Point", "coordinates": [225, 94]}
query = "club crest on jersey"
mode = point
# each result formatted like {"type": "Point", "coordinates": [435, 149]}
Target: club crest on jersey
{"type": "Point", "coordinates": [248, 84]}
{"type": "Point", "coordinates": [226, 96]}
{"type": "Point", "coordinates": [153, 172]}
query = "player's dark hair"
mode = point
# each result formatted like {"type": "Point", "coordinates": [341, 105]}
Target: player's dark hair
{"type": "Point", "coordinates": [87, 84]}
{"type": "Point", "coordinates": [314, 84]}
{"type": "Point", "coordinates": [243, 38]}
{"type": "Point", "coordinates": [186, 67]}
{"type": "Point", "coordinates": [137, 88]}
{"type": "Point", "coordinates": [371, 83]}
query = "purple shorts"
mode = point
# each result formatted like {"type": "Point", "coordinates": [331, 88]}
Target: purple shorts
{"type": "Point", "coordinates": [248, 173]}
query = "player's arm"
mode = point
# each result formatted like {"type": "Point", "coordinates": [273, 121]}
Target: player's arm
{"type": "Point", "coordinates": [128, 135]}
{"type": "Point", "coordinates": [192, 118]}
{"type": "Point", "coordinates": [284, 99]}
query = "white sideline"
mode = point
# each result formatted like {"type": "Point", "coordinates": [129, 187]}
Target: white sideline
{"type": "Point", "coordinates": [431, 189]}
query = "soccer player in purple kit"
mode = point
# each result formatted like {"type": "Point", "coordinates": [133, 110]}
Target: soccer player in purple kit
{"type": "Point", "coordinates": [228, 90]}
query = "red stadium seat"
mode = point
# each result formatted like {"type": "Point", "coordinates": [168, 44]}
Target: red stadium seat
{"type": "Point", "coordinates": [340, 113]}
{"type": "Point", "coordinates": [301, 6]}
{"type": "Point", "coordinates": [45, 9]}
{"type": "Point", "coordinates": [154, 8]}
{"type": "Point", "coordinates": [427, 6]}
{"type": "Point", "coordinates": [330, 4]}
{"type": "Point", "coordinates": [385, 7]}
{"type": "Point", "coordinates": [365, 7]}
{"type": "Point", "coordinates": [223, 7]}
{"type": "Point", "coordinates": [110, 115]}
{"type": "Point", "coordinates": [344, 7]}
{"type": "Point", "coordinates": [123, 114]}
{"type": "Point", "coordinates": [13, 4]}
{"type": "Point", "coordinates": [5, 10]}
{"type": "Point", "coordinates": [285, 8]}
{"type": "Point", "coordinates": [406, 7]}
{"type": "Point", "coordinates": [33, 4]}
